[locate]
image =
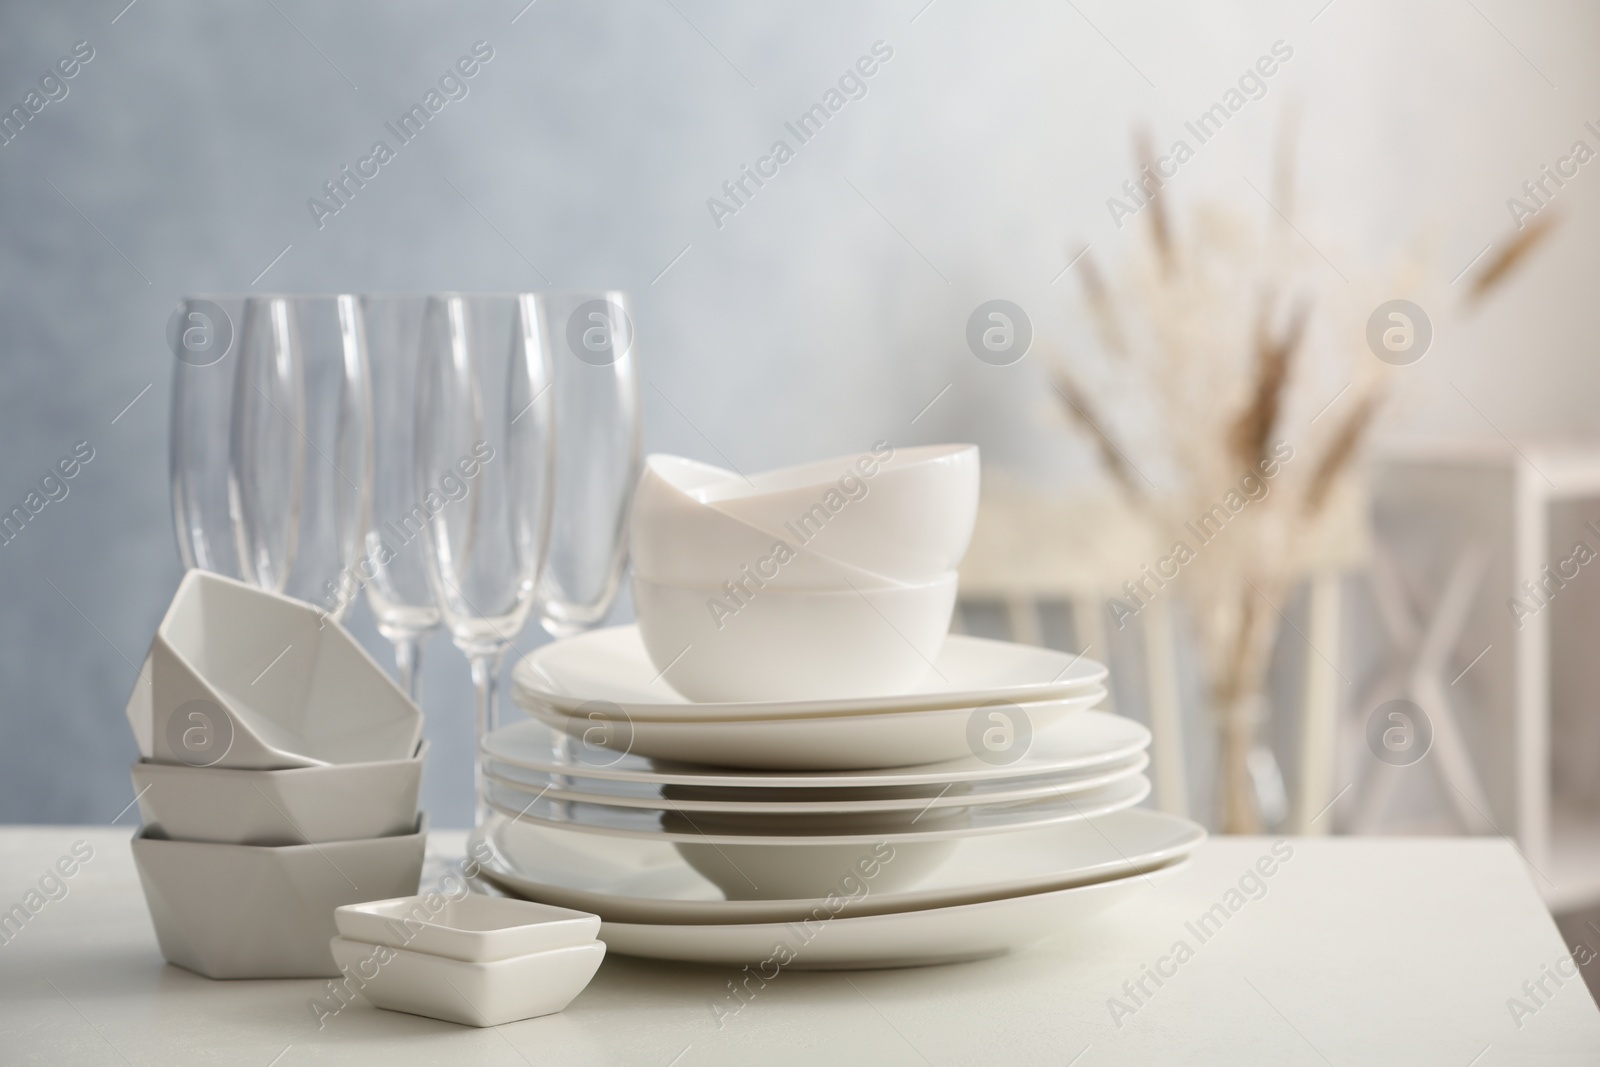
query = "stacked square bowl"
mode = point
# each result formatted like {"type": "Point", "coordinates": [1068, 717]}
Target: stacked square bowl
{"type": "Point", "coordinates": [279, 780]}
{"type": "Point", "coordinates": [798, 747]}
{"type": "Point", "coordinates": [476, 960]}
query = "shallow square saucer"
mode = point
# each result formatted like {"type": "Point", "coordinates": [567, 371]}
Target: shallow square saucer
{"type": "Point", "coordinates": [472, 994]}
{"type": "Point", "coordinates": [473, 929]}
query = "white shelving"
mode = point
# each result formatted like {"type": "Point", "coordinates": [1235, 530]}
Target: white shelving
{"type": "Point", "coordinates": [1525, 506]}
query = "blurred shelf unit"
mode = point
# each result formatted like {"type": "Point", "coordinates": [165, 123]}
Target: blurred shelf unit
{"type": "Point", "coordinates": [1527, 695]}
{"type": "Point", "coordinates": [1034, 549]}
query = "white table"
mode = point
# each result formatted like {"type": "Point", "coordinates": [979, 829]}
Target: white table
{"type": "Point", "coordinates": [1360, 951]}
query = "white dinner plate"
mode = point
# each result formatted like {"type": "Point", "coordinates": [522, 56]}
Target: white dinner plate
{"type": "Point", "coordinates": [612, 821]}
{"type": "Point", "coordinates": [789, 802]}
{"type": "Point", "coordinates": [610, 667]}
{"type": "Point", "coordinates": [649, 882]}
{"type": "Point", "coordinates": [900, 939]}
{"type": "Point", "coordinates": [833, 742]}
{"type": "Point", "coordinates": [1093, 739]}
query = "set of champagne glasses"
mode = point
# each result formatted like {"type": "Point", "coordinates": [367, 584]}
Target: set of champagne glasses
{"type": "Point", "coordinates": [458, 459]}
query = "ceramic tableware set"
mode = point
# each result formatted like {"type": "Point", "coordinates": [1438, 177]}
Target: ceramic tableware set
{"type": "Point", "coordinates": [279, 781]}
{"type": "Point", "coordinates": [790, 754]}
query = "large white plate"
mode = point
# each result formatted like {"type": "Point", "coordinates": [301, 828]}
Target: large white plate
{"type": "Point", "coordinates": [649, 882]}
{"type": "Point", "coordinates": [901, 939]}
{"type": "Point", "coordinates": [1092, 739]}
{"type": "Point", "coordinates": [790, 802]}
{"type": "Point", "coordinates": [833, 742]}
{"type": "Point", "coordinates": [611, 667]}
{"type": "Point", "coordinates": [532, 808]}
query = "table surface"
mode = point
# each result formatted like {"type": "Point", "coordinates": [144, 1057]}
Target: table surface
{"type": "Point", "coordinates": [1358, 951]}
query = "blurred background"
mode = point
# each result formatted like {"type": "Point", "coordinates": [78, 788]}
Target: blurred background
{"type": "Point", "coordinates": [989, 156]}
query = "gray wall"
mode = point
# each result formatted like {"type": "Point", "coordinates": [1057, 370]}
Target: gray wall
{"type": "Point", "coordinates": [823, 315]}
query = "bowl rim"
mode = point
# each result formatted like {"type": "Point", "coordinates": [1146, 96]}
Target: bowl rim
{"type": "Point", "coordinates": [150, 766]}
{"type": "Point", "coordinates": [391, 909]}
{"type": "Point", "coordinates": [649, 477]}
{"type": "Point", "coordinates": [815, 474]}
{"type": "Point", "coordinates": [420, 830]}
{"type": "Point", "coordinates": [928, 586]}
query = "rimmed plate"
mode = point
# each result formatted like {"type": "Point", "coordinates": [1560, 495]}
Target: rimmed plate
{"type": "Point", "coordinates": [1094, 738]}
{"type": "Point", "coordinates": [610, 667]}
{"type": "Point", "coordinates": [592, 791]}
{"type": "Point", "coordinates": [833, 742]}
{"type": "Point", "coordinates": [532, 808]}
{"type": "Point", "coordinates": [650, 882]}
{"type": "Point", "coordinates": [900, 939]}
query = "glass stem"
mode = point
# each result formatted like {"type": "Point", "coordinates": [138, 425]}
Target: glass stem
{"type": "Point", "coordinates": [485, 680]}
{"type": "Point", "coordinates": [408, 663]}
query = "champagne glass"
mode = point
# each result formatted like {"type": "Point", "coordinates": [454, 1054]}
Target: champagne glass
{"type": "Point", "coordinates": [302, 447]}
{"type": "Point", "coordinates": [398, 592]}
{"type": "Point", "coordinates": [591, 340]}
{"type": "Point", "coordinates": [201, 333]}
{"type": "Point", "coordinates": [484, 474]}
{"type": "Point", "coordinates": [337, 496]}
{"type": "Point", "coordinates": [267, 446]}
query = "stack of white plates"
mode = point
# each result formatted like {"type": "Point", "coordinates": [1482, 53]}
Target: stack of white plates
{"type": "Point", "coordinates": [988, 809]}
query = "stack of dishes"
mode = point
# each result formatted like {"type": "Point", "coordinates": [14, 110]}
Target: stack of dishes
{"type": "Point", "coordinates": [477, 960]}
{"type": "Point", "coordinates": [829, 580]}
{"type": "Point", "coordinates": [280, 772]}
{"type": "Point", "coordinates": [758, 773]}
{"type": "Point", "coordinates": [1025, 824]}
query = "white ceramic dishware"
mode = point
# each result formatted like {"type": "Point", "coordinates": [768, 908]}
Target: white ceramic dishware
{"type": "Point", "coordinates": [811, 801]}
{"type": "Point", "coordinates": [473, 929]}
{"type": "Point", "coordinates": [250, 911]}
{"type": "Point", "coordinates": [761, 872]}
{"type": "Point", "coordinates": [906, 514]}
{"type": "Point", "coordinates": [606, 820]}
{"type": "Point", "coordinates": [649, 882]}
{"type": "Point", "coordinates": [296, 806]}
{"type": "Point", "coordinates": [897, 939]}
{"type": "Point", "coordinates": [1096, 739]}
{"type": "Point", "coordinates": [713, 645]}
{"type": "Point", "coordinates": [242, 678]}
{"type": "Point", "coordinates": [677, 540]}
{"type": "Point", "coordinates": [472, 994]}
{"type": "Point", "coordinates": [610, 667]}
{"type": "Point", "coordinates": [843, 742]}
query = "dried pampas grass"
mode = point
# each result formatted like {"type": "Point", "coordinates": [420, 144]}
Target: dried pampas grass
{"type": "Point", "coordinates": [1221, 337]}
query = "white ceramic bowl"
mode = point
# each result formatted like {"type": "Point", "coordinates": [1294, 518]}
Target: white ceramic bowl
{"type": "Point", "coordinates": [785, 644]}
{"type": "Point", "coordinates": [774, 872]}
{"type": "Point", "coordinates": [906, 515]}
{"type": "Point", "coordinates": [247, 911]}
{"type": "Point", "coordinates": [472, 994]}
{"type": "Point", "coordinates": [342, 802]}
{"type": "Point", "coordinates": [677, 540]}
{"type": "Point", "coordinates": [473, 929]}
{"type": "Point", "coordinates": [239, 677]}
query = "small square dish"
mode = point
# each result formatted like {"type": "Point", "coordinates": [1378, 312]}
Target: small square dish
{"type": "Point", "coordinates": [472, 994]}
{"type": "Point", "coordinates": [473, 929]}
